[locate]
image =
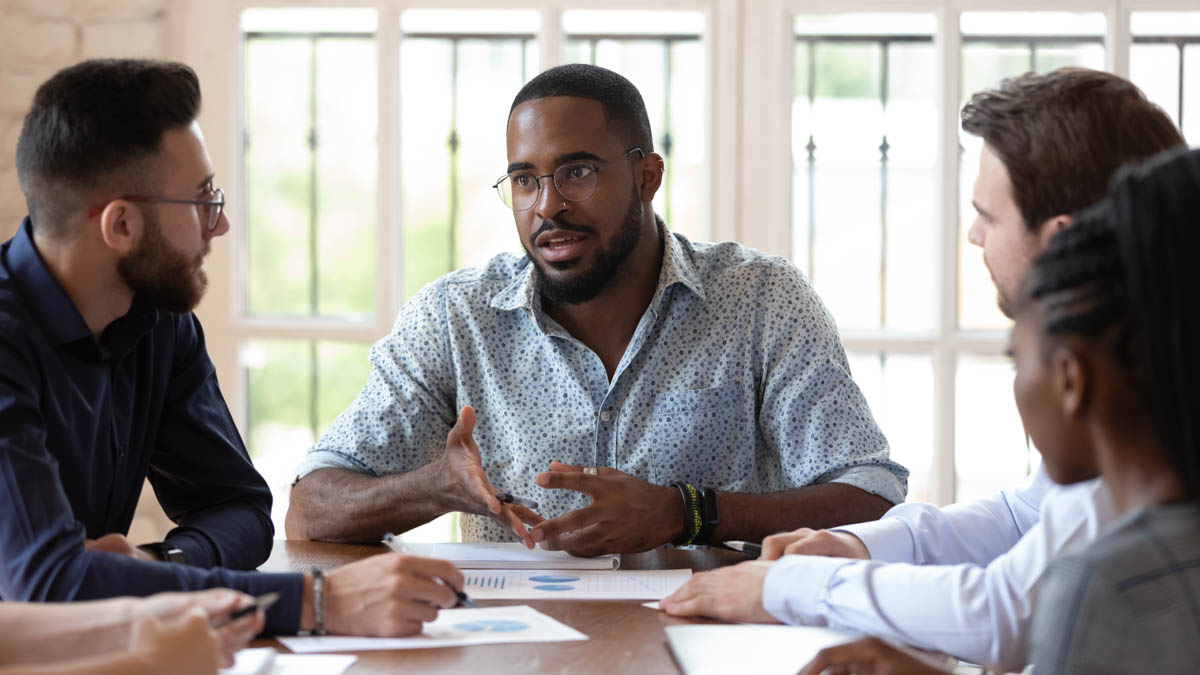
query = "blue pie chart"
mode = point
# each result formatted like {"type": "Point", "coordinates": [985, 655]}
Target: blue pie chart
{"type": "Point", "coordinates": [553, 579]}
{"type": "Point", "coordinates": [492, 626]}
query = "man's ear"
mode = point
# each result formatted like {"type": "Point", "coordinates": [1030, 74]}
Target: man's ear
{"type": "Point", "coordinates": [649, 174]}
{"type": "Point", "coordinates": [1072, 382]}
{"type": "Point", "coordinates": [1051, 227]}
{"type": "Point", "coordinates": [121, 226]}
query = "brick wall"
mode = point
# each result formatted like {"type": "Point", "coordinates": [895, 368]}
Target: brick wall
{"type": "Point", "coordinates": [37, 38]}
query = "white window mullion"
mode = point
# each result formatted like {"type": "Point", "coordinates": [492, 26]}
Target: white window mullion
{"type": "Point", "coordinates": [945, 357]}
{"type": "Point", "coordinates": [1117, 39]}
{"type": "Point", "coordinates": [551, 42]}
{"type": "Point", "coordinates": [389, 277]}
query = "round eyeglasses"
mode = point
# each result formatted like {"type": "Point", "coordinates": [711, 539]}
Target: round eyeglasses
{"type": "Point", "coordinates": [211, 205]}
{"type": "Point", "coordinates": [576, 182]}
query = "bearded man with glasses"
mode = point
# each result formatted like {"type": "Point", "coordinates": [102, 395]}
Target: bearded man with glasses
{"type": "Point", "coordinates": [639, 388]}
{"type": "Point", "coordinates": [106, 380]}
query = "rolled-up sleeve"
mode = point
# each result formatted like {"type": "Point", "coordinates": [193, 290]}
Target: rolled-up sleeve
{"type": "Point", "coordinates": [400, 419]}
{"type": "Point", "coordinates": [813, 414]}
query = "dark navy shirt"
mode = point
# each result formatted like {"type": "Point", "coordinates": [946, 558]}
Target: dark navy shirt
{"type": "Point", "coordinates": [84, 421]}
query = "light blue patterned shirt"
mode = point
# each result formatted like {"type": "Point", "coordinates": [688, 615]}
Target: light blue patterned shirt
{"type": "Point", "coordinates": [735, 378]}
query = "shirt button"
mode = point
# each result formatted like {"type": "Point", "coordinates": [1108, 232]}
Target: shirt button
{"type": "Point", "coordinates": [606, 416]}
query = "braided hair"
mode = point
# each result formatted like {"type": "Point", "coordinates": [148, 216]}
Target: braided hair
{"type": "Point", "coordinates": [1124, 273]}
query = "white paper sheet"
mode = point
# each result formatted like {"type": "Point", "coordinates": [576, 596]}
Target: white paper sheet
{"type": "Point", "coordinates": [573, 584]}
{"type": "Point", "coordinates": [266, 661]}
{"type": "Point", "coordinates": [749, 649]}
{"type": "Point", "coordinates": [652, 605]}
{"type": "Point", "coordinates": [453, 628]}
{"type": "Point", "coordinates": [510, 556]}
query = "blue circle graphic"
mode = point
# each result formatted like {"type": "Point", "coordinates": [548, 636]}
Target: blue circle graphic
{"type": "Point", "coordinates": [492, 626]}
{"type": "Point", "coordinates": [553, 579]}
{"type": "Point", "coordinates": [553, 587]}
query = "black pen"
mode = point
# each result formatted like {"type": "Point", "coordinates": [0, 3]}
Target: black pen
{"type": "Point", "coordinates": [261, 603]}
{"type": "Point", "coordinates": [745, 547]}
{"type": "Point", "coordinates": [506, 498]}
{"type": "Point", "coordinates": [390, 541]}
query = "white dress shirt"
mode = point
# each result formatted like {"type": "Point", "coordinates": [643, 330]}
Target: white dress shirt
{"type": "Point", "coordinates": [959, 580]}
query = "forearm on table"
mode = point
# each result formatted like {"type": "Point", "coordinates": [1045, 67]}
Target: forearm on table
{"type": "Point", "coordinates": [752, 517]}
{"type": "Point", "coordinates": [116, 663]}
{"type": "Point", "coordinates": [38, 633]}
{"type": "Point", "coordinates": [345, 506]}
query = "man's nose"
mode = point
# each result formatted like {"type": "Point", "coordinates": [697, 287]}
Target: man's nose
{"type": "Point", "coordinates": [549, 202]}
{"type": "Point", "coordinates": [976, 235]}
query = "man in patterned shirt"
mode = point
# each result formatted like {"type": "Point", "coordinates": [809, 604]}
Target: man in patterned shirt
{"type": "Point", "coordinates": [604, 372]}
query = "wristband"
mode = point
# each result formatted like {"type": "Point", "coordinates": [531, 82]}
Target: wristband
{"type": "Point", "coordinates": [697, 521]}
{"type": "Point", "coordinates": [690, 514]}
{"type": "Point", "coordinates": [318, 601]}
{"type": "Point", "coordinates": [708, 515]}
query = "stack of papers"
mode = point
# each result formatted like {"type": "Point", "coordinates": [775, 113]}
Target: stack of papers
{"type": "Point", "coordinates": [266, 661]}
{"type": "Point", "coordinates": [453, 628]}
{"type": "Point", "coordinates": [573, 584]}
{"type": "Point", "coordinates": [749, 649]}
{"type": "Point", "coordinates": [510, 556]}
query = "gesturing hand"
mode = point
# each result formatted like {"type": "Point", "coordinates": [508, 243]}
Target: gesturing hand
{"type": "Point", "coordinates": [729, 593]}
{"type": "Point", "coordinates": [813, 542]}
{"type": "Point", "coordinates": [627, 514]}
{"type": "Point", "coordinates": [468, 485]}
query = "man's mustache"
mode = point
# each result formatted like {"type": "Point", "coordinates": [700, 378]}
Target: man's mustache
{"type": "Point", "coordinates": [549, 224]}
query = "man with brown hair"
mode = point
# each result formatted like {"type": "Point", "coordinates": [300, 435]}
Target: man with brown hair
{"type": "Point", "coordinates": [962, 579]}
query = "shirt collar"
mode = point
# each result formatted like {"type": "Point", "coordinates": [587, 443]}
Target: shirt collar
{"type": "Point", "coordinates": [49, 304]}
{"type": "Point", "coordinates": [677, 268]}
{"type": "Point", "coordinates": [57, 315]}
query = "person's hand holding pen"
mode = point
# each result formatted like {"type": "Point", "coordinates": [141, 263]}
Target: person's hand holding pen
{"type": "Point", "coordinates": [219, 605]}
{"type": "Point", "coordinates": [468, 487]}
{"type": "Point", "coordinates": [390, 541]}
{"type": "Point", "coordinates": [386, 595]}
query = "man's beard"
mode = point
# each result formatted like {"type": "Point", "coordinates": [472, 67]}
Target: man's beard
{"type": "Point", "coordinates": [161, 276]}
{"type": "Point", "coordinates": [587, 284]}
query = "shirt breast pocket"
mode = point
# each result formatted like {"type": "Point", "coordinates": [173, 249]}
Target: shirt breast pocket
{"type": "Point", "coordinates": [701, 436]}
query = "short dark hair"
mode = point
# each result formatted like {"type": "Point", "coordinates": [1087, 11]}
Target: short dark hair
{"type": "Point", "coordinates": [1063, 134]}
{"type": "Point", "coordinates": [96, 124]}
{"type": "Point", "coordinates": [1126, 268]}
{"type": "Point", "coordinates": [624, 110]}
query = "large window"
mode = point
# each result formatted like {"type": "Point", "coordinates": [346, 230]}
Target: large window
{"type": "Point", "coordinates": [369, 134]}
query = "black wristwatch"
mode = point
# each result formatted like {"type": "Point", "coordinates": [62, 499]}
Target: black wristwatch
{"type": "Point", "coordinates": [709, 516]}
{"type": "Point", "coordinates": [165, 552]}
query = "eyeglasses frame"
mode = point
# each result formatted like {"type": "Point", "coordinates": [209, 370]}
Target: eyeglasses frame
{"type": "Point", "coordinates": [596, 167]}
{"type": "Point", "coordinates": [213, 218]}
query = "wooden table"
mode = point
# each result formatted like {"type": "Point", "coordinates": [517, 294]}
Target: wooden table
{"type": "Point", "coordinates": [624, 636]}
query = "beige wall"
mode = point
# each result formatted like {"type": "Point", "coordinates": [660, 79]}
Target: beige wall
{"type": "Point", "coordinates": [37, 38]}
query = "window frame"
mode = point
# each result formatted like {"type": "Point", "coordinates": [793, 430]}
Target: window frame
{"type": "Point", "coordinates": [748, 97]}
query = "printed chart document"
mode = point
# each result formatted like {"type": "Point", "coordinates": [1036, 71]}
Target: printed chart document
{"type": "Point", "coordinates": [453, 628]}
{"type": "Point", "coordinates": [510, 556]}
{"type": "Point", "coordinates": [749, 649]}
{"type": "Point", "coordinates": [573, 584]}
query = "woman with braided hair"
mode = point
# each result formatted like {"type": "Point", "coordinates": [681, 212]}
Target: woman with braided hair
{"type": "Point", "coordinates": [1108, 383]}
